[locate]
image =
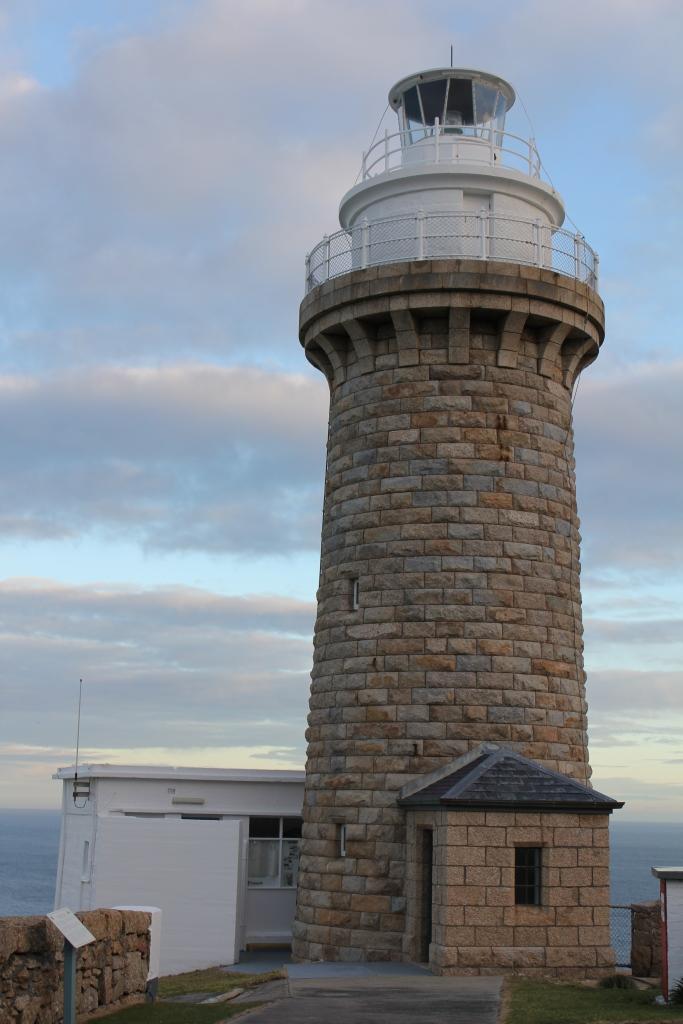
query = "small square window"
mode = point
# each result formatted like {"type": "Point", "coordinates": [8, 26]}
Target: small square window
{"type": "Point", "coordinates": [355, 594]}
{"type": "Point", "coordinates": [264, 828]}
{"type": "Point", "coordinates": [291, 828]}
{"type": "Point", "coordinates": [528, 876]}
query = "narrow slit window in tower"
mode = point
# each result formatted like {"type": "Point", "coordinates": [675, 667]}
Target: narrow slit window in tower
{"type": "Point", "coordinates": [528, 876]}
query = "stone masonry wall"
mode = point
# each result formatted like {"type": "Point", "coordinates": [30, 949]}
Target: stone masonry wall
{"type": "Point", "coordinates": [450, 498]}
{"type": "Point", "coordinates": [646, 940]}
{"type": "Point", "coordinates": [478, 929]}
{"type": "Point", "coordinates": [111, 972]}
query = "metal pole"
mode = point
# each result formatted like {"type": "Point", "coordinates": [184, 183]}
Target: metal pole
{"type": "Point", "coordinates": [365, 247]}
{"type": "Point", "coordinates": [482, 233]}
{"type": "Point", "coordinates": [537, 242]}
{"type": "Point", "coordinates": [70, 954]}
{"type": "Point", "coordinates": [577, 256]}
{"type": "Point", "coordinates": [436, 139]}
{"type": "Point", "coordinates": [421, 234]}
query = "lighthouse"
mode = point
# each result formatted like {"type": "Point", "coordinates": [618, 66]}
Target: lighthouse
{"type": "Point", "coordinates": [448, 812]}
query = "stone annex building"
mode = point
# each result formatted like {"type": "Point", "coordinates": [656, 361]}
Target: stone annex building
{"type": "Point", "coordinates": [448, 812]}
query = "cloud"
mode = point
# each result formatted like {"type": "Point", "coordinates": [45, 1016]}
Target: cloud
{"type": "Point", "coordinates": [156, 210]}
{"type": "Point", "coordinates": [187, 457]}
{"type": "Point", "coordinates": [630, 468]}
{"type": "Point", "coordinates": [636, 632]}
{"type": "Point", "coordinates": [173, 187]}
{"type": "Point", "coordinates": [171, 667]}
{"type": "Point", "coordinates": [200, 457]}
{"type": "Point", "coordinates": [653, 801]}
{"type": "Point", "coordinates": [624, 690]}
{"type": "Point", "coordinates": [161, 202]}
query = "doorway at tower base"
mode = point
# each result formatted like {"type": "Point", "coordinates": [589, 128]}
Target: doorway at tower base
{"type": "Point", "coordinates": [507, 870]}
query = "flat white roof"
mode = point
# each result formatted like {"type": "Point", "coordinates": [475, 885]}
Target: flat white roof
{"type": "Point", "coordinates": [672, 874]}
{"type": "Point", "coordinates": [144, 771]}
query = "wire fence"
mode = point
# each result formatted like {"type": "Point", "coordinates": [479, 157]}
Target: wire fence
{"type": "Point", "coordinates": [452, 235]}
{"type": "Point", "coordinates": [620, 924]}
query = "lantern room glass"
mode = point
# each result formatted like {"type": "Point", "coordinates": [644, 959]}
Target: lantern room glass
{"type": "Point", "coordinates": [462, 105]}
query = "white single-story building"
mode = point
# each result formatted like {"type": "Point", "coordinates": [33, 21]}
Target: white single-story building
{"type": "Point", "coordinates": [217, 850]}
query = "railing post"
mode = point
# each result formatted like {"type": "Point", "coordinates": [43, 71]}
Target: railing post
{"type": "Point", "coordinates": [596, 269]}
{"type": "Point", "coordinates": [326, 252]}
{"type": "Point", "coordinates": [492, 155]}
{"type": "Point", "coordinates": [420, 234]}
{"type": "Point", "coordinates": [365, 243]}
{"type": "Point", "coordinates": [363, 172]}
{"type": "Point", "coordinates": [577, 257]}
{"type": "Point", "coordinates": [482, 232]}
{"type": "Point", "coordinates": [538, 248]}
{"type": "Point", "coordinates": [436, 140]}
{"type": "Point", "coordinates": [308, 271]}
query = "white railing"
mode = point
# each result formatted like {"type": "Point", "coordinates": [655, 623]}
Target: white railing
{"type": "Point", "coordinates": [447, 235]}
{"type": "Point", "coordinates": [442, 144]}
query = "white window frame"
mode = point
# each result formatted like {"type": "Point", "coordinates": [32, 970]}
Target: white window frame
{"type": "Point", "coordinates": [280, 840]}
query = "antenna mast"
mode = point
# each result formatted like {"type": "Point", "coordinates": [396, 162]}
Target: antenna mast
{"type": "Point", "coordinates": [84, 788]}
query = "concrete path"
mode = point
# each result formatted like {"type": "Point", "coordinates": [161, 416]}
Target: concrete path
{"type": "Point", "coordinates": [383, 998]}
{"type": "Point", "coordinates": [260, 962]}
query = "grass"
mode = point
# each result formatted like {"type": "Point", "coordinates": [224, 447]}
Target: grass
{"type": "Point", "coordinates": [175, 1013]}
{"type": "Point", "coordinates": [212, 982]}
{"type": "Point", "coordinates": [545, 1002]}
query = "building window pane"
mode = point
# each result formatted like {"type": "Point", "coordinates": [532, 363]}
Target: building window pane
{"type": "Point", "coordinates": [264, 862]}
{"type": "Point", "coordinates": [528, 875]}
{"type": "Point", "coordinates": [411, 105]}
{"type": "Point", "coordinates": [274, 852]}
{"type": "Point", "coordinates": [433, 95]}
{"type": "Point", "coordinates": [291, 828]}
{"type": "Point", "coordinates": [460, 108]}
{"type": "Point", "coordinates": [264, 828]}
{"type": "Point", "coordinates": [290, 863]}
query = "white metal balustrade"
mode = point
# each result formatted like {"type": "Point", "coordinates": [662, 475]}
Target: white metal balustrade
{"type": "Point", "coordinates": [452, 235]}
{"type": "Point", "coordinates": [444, 144]}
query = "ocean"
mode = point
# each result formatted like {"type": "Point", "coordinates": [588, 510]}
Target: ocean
{"type": "Point", "coordinates": [29, 842]}
{"type": "Point", "coordinates": [29, 847]}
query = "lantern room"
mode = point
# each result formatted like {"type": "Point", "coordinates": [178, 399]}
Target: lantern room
{"type": "Point", "coordinates": [463, 101]}
{"type": "Point", "coordinates": [452, 181]}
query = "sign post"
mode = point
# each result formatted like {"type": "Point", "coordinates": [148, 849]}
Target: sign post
{"type": "Point", "coordinates": [75, 935]}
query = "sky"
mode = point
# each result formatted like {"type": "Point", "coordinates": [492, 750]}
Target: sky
{"type": "Point", "coordinates": [165, 165]}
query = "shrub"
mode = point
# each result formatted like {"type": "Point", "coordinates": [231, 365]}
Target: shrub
{"type": "Point", "coordinates": [618, 981]}
{"type": "Point", "coordinates": [676, 993]}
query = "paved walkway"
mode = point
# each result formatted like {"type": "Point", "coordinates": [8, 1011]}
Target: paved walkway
{"type": "Point", "coordinates": [347, 995]}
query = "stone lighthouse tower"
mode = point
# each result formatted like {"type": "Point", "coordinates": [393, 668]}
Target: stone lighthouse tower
{"type": "Point", "coordinates": [448, 815]}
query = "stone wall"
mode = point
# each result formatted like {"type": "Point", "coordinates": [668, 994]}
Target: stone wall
{"type": "Point", "coordinates": [478, 928]}
{"type": "Point", "coordinates": [450, 499]}
{"type": "Point", "coordinates": [646, 940]}
{"type": "Point", "coordinates": [111, 971]}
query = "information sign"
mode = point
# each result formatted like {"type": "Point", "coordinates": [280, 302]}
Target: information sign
{"type": "Point", "coordinates": [71, 928]}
